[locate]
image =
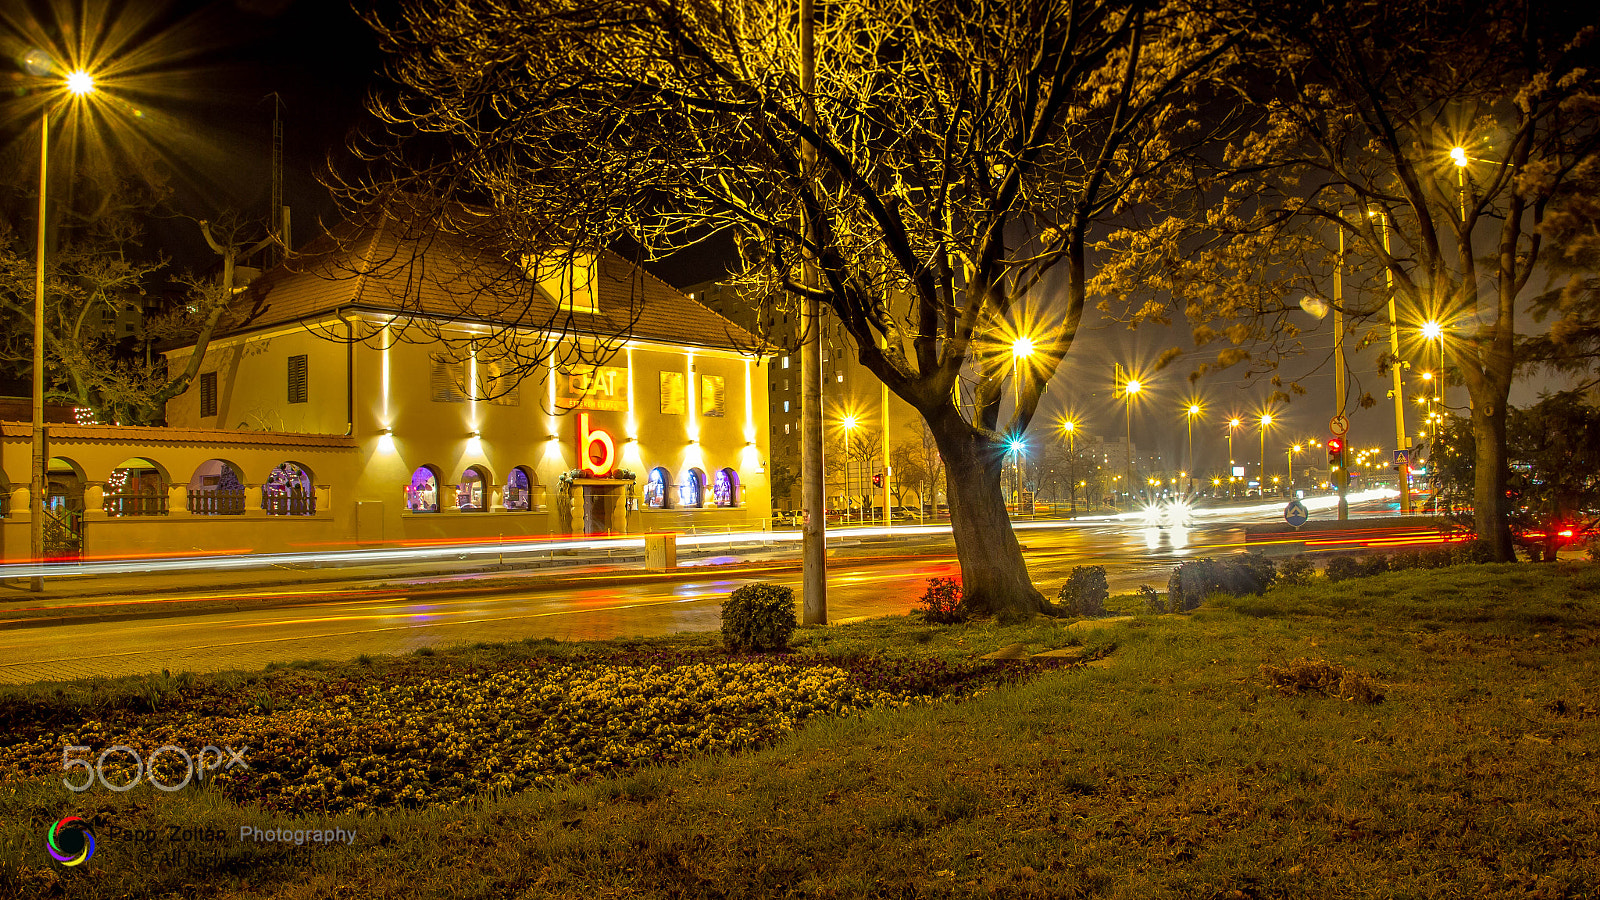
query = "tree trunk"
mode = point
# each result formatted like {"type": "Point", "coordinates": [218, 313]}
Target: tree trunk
{"type": "Point", "coordinates": [1490, 515]}
{"type": "Point", "coordinates": [994, 577]}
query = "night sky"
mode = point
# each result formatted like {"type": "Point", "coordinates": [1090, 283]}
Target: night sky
{"type": "Point", "coordinates": [205, 73]}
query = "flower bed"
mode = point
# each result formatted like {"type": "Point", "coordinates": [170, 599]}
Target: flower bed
{"type": "Point", "coordinates": [434, 741]}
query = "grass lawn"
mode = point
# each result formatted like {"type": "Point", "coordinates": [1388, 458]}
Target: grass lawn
{"type": "Point", "coordinates": [1416, 734]}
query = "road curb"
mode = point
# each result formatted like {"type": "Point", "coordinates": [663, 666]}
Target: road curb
{"type": "Point", "coordinates": [185, 607]}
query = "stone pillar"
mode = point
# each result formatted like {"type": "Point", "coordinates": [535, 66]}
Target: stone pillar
{"type": "Point", "coordinates": [94, 501]}
{"type": "Point", "coordinates": [177, 501]}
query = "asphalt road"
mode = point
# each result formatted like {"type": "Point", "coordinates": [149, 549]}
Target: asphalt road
{"type": "Point", "coordinates": [333, 624]}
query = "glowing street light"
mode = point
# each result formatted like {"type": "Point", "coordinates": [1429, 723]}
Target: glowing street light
{"type": "Point", "coordinates": [1266, 419]}
{"type": "Point", "coordinates": [1190, 413]}
{"type": "Point", "coordinates": [1071, 428]}
{"type": "Point", "coordinates": [849, 424]}
{"type": "Point", "coordinates": [1129, 389]}
{"type": "Point", "coordinates": [79, 84]}
{"type": "Point", "coordinates": [1232, 424]}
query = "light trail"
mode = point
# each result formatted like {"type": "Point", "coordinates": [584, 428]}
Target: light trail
{"type": "Point", "coordinates": [461, 551]}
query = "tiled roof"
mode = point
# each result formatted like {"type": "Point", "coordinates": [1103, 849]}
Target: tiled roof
{"type": "Point", "coordinates": [159, 435]}
{"type": "Point", "coordinates": [452, 274]}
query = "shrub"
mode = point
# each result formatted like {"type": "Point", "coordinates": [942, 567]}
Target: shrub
{"type": "Point", "coordinates": [1473, 552]}
{"type": "Point", "coordinates": [941, 602]}
{"type": "Point", "coordinates": [1152, 600]}
{"type": "Point", "coordinates": [758, 617]}
{"type": "Point", "coordinates": [1593, 546]}
{"type": "Point", "coordinates": [1085, 592]}
{"type": "Point", "coordinates": [1192, 582]}
{"type": "Point", "coordinates": [1297, 570]}
{"type": "Point", "coordinates": [1402, 561]}
{"type": "Point", "coordinates": [1376, 564]}
{"type": "Point", "coordinates": [1440, 558]}
{"type": "Point", "coordinates": [1342, 568]}
{"type": "Point", "coordinates": [1249, 573]}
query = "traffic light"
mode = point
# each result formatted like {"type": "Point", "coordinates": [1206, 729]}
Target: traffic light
{"type": "Point", "coordinates": [1335, 454]}
{"type": "Point", "coordinates": [877, 479]}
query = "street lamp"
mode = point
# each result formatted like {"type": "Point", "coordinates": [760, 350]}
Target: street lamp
{"type": "Point", "coordinates": [1291, 452]}
{"type": "Point", "coordinates": [1194, 410]}
{"type": "Point", "coordinates": [1266, 419]}
{"type": "Point", "coordinates": [1394, 350]}
{"type": "Point", "coordinates": [78, 84]}
{"type": "Point", "coordinates": [1232, 424]}
{"type": "Point", "coordinates": [1021, 349]}
{"type": "Point", "coordinates": [849, 424]}
{"type": "Point", "coordinates": [1071, 428]}
{"type": "Point", "coordinates": [1128, 390]}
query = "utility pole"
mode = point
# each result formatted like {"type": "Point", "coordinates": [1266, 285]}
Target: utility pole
{"type": "Point", "coordinates": [1402, 439]}
{"type": "Point", "coordinates": [813, 502]}
{"type": "Point", "coordinates": [1341, 479]}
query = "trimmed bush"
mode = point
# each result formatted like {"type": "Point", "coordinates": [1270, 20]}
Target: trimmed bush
{"type": "Point", "coordinates": [1192, 582]}
{"type": "Point", "coordinates": [1342, 568]}
{"type": "Point", "coordinates": [1085, 592]}
{"type": "Point", "coordinates": [941, 602]}
{"type": "Point", "coordinates": [1593, 546]}
{"type": "Point", "coordinates": [758, 617]}
{"type": "Point", "coordinates": [1297, 570]}
{"type": "Point", "coordinates": [1377, 564]}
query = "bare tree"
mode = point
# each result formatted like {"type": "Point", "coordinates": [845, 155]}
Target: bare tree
{"type": "Point", "coordinates": [966, 150]}
{"type": "Point", "coordinates": [1430, 139]}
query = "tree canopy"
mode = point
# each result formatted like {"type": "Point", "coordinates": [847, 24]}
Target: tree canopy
{"type": "Point", "coordinates": [964, 151]}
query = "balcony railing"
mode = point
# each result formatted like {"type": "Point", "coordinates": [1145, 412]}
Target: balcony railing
{"type": "Point", "coordinates": [216, 503]}
{"type": "Point", "coordinates": [290, 504]}
{"type": "Point", "coordinates": [153, 504]}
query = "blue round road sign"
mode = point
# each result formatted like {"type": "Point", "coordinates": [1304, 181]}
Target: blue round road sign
{"type": "Point", "coordinates": [1295, 513]}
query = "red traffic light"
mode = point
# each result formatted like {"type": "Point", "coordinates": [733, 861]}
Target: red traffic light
{"type": "Point", "coordinates": [1335, 445]}
{"type": "Point", "coordinates": [877, 479]}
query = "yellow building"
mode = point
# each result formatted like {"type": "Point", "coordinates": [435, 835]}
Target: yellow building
{"type": "Point", "coordinates": [392, 385]}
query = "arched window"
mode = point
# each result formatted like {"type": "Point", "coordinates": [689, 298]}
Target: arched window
{"type": "Point", "coordinates": [288, 491]}
{"type": "Point", "coordinates": [472, 494]}
{"type": "Point", "coordinates": [216, 489]}
{"type": "Point", "coordinates": [517, 490]}
{"type": "Point", "coordinates": [655, 488]}
{"type": "Point", "coordinates": [136, 488]}
{"type": "Point", "coordinates": [422, 493]}
{"type": "Point", "coordinates": [691, 492]}
{"type": "Point", "coordinates": [725, 490]}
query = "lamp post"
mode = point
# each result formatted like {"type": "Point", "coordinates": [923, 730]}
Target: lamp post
{"type": "Point", "coordinates": [1266, 419]}
{"type": "Point", "coordinates": [849, 425]}
{"type": "Point", "coordinates": [1194, 410]}
{"type": "Point", "coordinates": [1021, 349]}
{"type": "Point", "coordinates": [79, 84]}
{"type": "Point", "coordinates": [1128, 390]}
{"type": "Point", "coordinates": [1232, 424]}
{"type": "Point", "coordinates": [1071, 429]}
{"type": "Point", "coordinates": [1401, 442]}
{"type": "Point", "coordinates": [1291, 452]}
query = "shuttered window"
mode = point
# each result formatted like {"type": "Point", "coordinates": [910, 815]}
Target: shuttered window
{"type": "Point", "coordinates": [208, 394]}
{"type": "Point", "coordinates": [448, 379]}
{"type": "Point", "coordinates": [297, 379]}
{"type": "Point", "coordinates": [500, 382]}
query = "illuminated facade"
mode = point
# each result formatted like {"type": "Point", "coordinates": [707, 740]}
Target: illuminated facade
{"type": "Point", "coordinates": [346, 412]}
